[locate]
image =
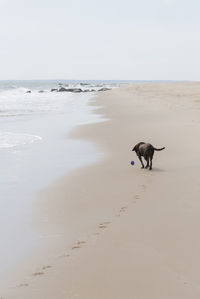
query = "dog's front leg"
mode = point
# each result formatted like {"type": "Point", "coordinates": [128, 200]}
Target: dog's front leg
{"type": "Point", "coordinates": [140, 158]}
{"type": "Point", "coordinates": [147, 163]}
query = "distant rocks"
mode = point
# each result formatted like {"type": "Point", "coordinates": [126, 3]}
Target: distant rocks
{"type": "Point", "coordinates": [89, 90]}
{"type": "Point", "coordinates": [76, 90]}
{"type": "Point", "coordinates": [62, 89]}
{"type": "Point", "coordinates": [85, 87]}
{"type": "Point", "coordinates": [40, 91]}
{"type": "Point", "coordinates": [104, 89]}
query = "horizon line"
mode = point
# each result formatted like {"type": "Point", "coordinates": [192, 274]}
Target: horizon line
{"type": "Point", "coordinates": [125, 80]}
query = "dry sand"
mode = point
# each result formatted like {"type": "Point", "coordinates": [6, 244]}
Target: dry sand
{"type": "Point", "coordinates": [113, 230]}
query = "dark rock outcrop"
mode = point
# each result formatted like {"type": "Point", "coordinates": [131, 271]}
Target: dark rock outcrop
{"type": "Point", "coordinates": [76, 90]}
{"type": "Point", "coordinates": [89, 90]}
{"type": "Point", "coordinates": [104, 89]}
{"type": "Point", "coordinates": [62, 89]}
{"type": "Point", "coordinates": [54, 89]}
{"type": "Point", "coordinates": [28, 91]}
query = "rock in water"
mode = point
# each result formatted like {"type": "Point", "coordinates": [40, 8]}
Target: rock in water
{"type": "Point", "coordinates": [104, 89]}
{"type": "Point", "coordinates": [62, 89]}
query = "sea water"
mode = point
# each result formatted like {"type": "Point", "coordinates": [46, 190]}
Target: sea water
{"type": "Point", "coordinates": [35, 151]}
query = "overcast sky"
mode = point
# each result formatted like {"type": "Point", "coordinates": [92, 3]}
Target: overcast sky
{"type": "Point", "coordinates": [104, 39]}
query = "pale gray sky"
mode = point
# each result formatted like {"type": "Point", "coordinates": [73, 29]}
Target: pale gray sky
{"type": "Point", "coordinates": [104, 39]}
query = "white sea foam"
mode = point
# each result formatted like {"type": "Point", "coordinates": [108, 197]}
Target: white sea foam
{"type": "Point", "coordinates": [15, 101]}
{"type": "Point", "coordinates": [18, 103]}
{"type": "Point", "coordinates": [9, 139]}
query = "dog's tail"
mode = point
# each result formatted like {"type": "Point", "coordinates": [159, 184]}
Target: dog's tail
{"type": "Point", "coordinates": [159, 149]}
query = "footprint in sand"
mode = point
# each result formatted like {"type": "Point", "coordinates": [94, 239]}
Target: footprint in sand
{"type": "Point", "coordinates": [81, 242]}
{"type": "Point", "coordinates": [123, 209]}
{"type": "Point", "coordinates": [46, 267]}
{"type": "Point", "coordinates": [78, 245]}
{"type": "Point", "coordinates": [42, 272]}
{"type": "Point", "coordinates": [104, 224]}
{"type": "Point", "coordinates": [38, 273]}
{"type": "Point", "coordinates": [135, 198]}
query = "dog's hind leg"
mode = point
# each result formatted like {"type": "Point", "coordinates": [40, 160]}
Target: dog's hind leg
{"type": "Point", "coordinates": [151, 158]}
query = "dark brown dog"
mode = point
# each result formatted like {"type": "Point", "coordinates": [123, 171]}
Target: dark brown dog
{"type": "Point", "coordinates": [146, 150]}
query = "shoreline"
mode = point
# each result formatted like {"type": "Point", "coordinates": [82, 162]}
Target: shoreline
{"type": "Point", "coordinates": [115, 230]}
{"type": "Point", "coordinates": [28, 168]}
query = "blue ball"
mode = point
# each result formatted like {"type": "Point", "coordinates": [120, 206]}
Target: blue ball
{"type": "Point", "coordinates": [132, 162]}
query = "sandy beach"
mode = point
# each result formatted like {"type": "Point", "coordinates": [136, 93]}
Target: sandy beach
{"type": "Point", "coordinates": [112, 230]}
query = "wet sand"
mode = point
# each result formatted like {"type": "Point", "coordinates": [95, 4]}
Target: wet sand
{"type": "Point", "coordinates": [113, 230]}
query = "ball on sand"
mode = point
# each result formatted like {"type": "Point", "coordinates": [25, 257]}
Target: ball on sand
{"type": "Point", "coordinates": [132, 162]}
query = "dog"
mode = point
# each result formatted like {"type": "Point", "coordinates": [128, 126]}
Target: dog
{"type": "Point", "coordinates": [146, 150]}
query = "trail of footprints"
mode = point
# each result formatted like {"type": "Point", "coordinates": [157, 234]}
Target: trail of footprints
{"type": "Point", "coordinates": [35, 274]}
{"type": "Point", "coordinates": [79, 244]}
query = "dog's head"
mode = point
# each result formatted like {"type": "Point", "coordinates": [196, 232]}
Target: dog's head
{"type": "Point", "coordinates": [136, 147]}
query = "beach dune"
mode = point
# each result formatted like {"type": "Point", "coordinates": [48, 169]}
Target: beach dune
{"type": "Point", "coordinates": [115, 230]}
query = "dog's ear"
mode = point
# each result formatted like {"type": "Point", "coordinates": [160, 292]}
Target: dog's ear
{"type": "Point", "coordinates": [133, 149]}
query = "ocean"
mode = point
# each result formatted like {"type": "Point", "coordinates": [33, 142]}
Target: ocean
{"type": "Point", "coordinates": [35, 150]}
